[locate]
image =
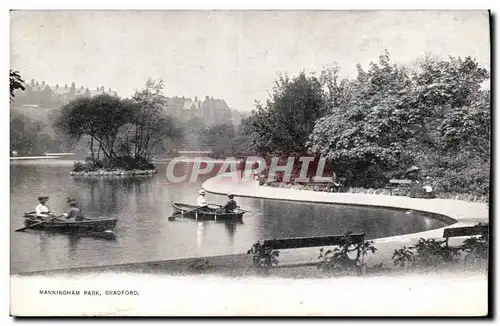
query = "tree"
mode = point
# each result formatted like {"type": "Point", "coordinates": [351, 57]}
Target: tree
{"type": "Point", "coordinates": [294, 105]}
{"type": "Point", "coordinates": [245, 143]}
{"type": "Point", "coordinates": [152, 127]}
{"type": "Point", "coordinates": [28, 137]}
{"type": "Point", "coordinates": [193, 129]}
{"type": "Point", "coordinates": [101, 117]}
{"type": "Point", "coordinates": [16, 82]}
{"type": "Point", "coordinates": [219, 139]}
{"type": "Point", "coordinates": [365, 135]}
{"type": "Point", "coordinates": [436, 116]}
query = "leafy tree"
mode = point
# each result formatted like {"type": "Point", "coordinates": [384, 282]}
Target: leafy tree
{"type": "Point", "coordinates": [28, 137]}
{"type": "Point", "coordinates": [245, 142]}
{"type": "Point", "coordinates": [219, 139]}
{"type": "Point", "coordinates": [101, 117]}
{"type": "Point", "coordinates": [435, 115]}
{"type": "Point", "coordinates": [294, 105]}
{"type": "Point", "coordinates": [366, 134]}
{"type": "Point", "coordinates": [193, 129]}
{"type": "Point", "coordinates": [16, 82]}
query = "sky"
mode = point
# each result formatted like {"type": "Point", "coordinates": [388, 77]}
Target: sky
{"type": "Point", "coordinates": [234, 55]}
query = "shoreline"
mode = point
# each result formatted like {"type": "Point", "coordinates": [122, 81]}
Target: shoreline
{"type": "Point", "coordinates": [459, 213]}
{"type": "Point", "coordinates": [299, 263]}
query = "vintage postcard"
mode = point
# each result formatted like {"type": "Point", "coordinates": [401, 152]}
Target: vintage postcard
{"type": "Point", "coordinates": [249, 163]}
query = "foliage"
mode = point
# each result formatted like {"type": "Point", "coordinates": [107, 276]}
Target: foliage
{"type": "Point", "coordinates": [436, 116]}
{"type": "Point", "coordinates": [16, 82]}
{"type": "Point", "coordinates": [339, 259]}
{"type": "Point", "coordinates": [294, 105]}
{"type": "Point", "coordinates": [151, 127]}
{"type": "Point", "coordinates": [126, 131]}
{"type": "Point", "coordinates": [28, 137]}
{"type": "Point", "coordinates": [432, 253]}
{"type": "Point", "coordinates": [246, 141]}
{"type": "Point", "coordinates": [263, 257]}
{"type": "Point", "coordinates": [477, 247]}
{"type": "Point", "coordinates": [219, 139]}
{"type": "Point", "coordinates": [78, 167]}
{"type": "Point", "coordinates": [99, 117]}
{"type": "Point", "coordinates": [402, 257]}
{"type": "Point", "coordinates": [193, 130]}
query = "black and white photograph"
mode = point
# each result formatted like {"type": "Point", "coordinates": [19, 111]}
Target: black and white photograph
{"type": "Point", "coordinates": [250, 163]}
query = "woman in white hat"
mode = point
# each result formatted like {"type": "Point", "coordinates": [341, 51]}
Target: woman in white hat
{"type": "Point", "coordinates": [201, 200]}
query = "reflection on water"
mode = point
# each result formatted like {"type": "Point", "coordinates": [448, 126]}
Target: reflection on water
{"type": "Point", "coordinates": [143, 232]}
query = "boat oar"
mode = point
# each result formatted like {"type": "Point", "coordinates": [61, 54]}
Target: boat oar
{"type": "Point", "coordinates": [173, 217]}
{"type": "Point", "coordinates": [32, 225]}
{"type": "Point", "coordinates": [238, 208]}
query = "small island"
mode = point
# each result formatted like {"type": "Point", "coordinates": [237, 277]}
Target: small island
{"type": "Point", "coordinates": [122, 135]}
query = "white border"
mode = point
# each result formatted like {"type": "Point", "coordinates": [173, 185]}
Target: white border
{"type": "Point", "coordinates": [145, 4]}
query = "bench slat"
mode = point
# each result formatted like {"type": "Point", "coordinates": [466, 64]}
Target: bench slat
{"type": "Point", "coordinates": [464, 231]}
{"type": "Point", "coordinates": [292, 243]}
{"type": "Point", "coordinates": [400, 181]}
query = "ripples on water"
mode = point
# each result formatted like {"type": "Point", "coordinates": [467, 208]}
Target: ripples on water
{"type": "Point", "coordinates": [144, 233]}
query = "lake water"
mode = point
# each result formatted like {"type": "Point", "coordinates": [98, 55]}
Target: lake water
{"type": "Point", "coordinates": [142, 206]}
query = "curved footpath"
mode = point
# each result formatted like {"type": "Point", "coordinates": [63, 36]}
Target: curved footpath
{"type": "Point", "coordinates": [455, 212]}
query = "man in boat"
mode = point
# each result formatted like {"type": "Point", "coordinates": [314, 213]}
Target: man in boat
{"type": "Point", "coordinates": [42, 210]}
{"type": "Point", "coordinates": [201, 200]}
{"type": "Point", "coordinates": [231, 204]}
{"type": "Point", "coordinates": [74, 211]}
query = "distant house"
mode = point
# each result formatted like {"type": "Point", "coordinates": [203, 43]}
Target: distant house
{"type": "Point", "coordinates": [44, 95]}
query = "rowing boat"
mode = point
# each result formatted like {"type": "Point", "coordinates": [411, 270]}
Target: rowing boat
{"type": "Point", "coordinates": [69, 226]}
{"type": "Point", "coordinates": [206, 213]}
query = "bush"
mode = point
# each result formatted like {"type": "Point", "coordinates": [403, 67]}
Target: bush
{"type": "Point", "coordinates": [263, 258]}
{"type": "Point", "coordinates": [78, 167]}
{"type": "Point", "coordinates": [128, 162]}
{"type": "Point", "coordinates": [338, 259]}
{"type": "Point", "coordinates": [432, 253]}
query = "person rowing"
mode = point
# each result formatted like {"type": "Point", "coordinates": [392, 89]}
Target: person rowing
{"type": "Point", "coordinates": [230, 205]}
{"type": "Point", "coordinates": [74, 211]}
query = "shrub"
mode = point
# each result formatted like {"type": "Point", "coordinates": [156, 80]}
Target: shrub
{"type": "Point", "coordinates": [263, 258]}
{"type": "Point", "coordinates": [128, 162]}
{"type": "Point", "coordinates": [78, 167]}
{"type": "Point", "coordinates": [338, 259]}
{"type": "Point", "coordinates": [476, 248]}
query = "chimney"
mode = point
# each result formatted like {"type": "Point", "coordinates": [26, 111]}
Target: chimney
{"type": "Point", "coordinates": [37, 83]}
{"type": "Point", "coordinates": [43, 83]}
{"type": "Point", "coordinates": [81, 87]}
{"type": "Point", "coordinates": [110, 89]}
{"type": "Point", "coordinates": [57, 86]}
{"type": "Point", "coordinates": [66, 86]}
{"type": "Point", "coordinates": [32, 82]}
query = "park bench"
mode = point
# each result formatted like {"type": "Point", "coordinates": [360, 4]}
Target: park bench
{"type": "Point", "coordinates": [398, 184]}
{"type": "Point", "coordinates": [268, 249]}
{"type": "Point", "coordinates": [465, 231]}
{"type": "Point", "coordinates": [306, 242]}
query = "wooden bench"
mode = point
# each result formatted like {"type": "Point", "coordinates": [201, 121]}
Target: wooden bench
{"type": "Point", "coordinates": [465, 231]}
{"type": "Point", "coordinates": [397, 183]}
{"type": "Point", "coordinates": [306, 242]}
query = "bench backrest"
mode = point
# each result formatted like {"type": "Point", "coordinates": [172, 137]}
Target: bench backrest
{"type": "Point", "coordinates": [465, 231]}
{"type": "Point", "coordinates": [335, 240]}
{"type": "Point", "coordinates": [400, 181]}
